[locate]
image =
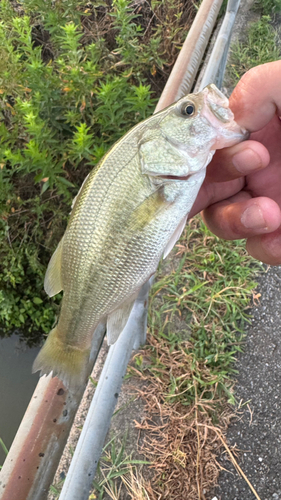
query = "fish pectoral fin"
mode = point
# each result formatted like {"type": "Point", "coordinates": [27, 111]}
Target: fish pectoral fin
{"type": "Point", "coordinates": [176, 236]}
{"type": "Point", "coordinates": [147, 210]}
{"type": "Point", "coordinates": [53, 281]}
{"type": "Point", "coordinates": [116, 321]}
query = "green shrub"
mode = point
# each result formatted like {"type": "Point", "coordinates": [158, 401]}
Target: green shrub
{"type": "Point", "coordinates": [74, 77]}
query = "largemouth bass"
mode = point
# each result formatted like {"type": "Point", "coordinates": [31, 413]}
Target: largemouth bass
{"type": "Point", "coordinates": [129, 212]}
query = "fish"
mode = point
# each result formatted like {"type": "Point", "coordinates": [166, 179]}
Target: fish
{"type": "Point", "coordinates": [128, 214]}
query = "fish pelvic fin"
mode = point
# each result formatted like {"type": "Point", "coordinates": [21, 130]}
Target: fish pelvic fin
{"type": "Point", "coordinates": [69, 363]}
{"type": "Point", "coordinates": [117, 320]}
{"type": "Point", "coordinates": [176, 236]}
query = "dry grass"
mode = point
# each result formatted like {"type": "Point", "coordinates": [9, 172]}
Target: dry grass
{"type": "Point", "coordinates": [181, 441]}
{"type": "Point", "coordinates": [135, 485]}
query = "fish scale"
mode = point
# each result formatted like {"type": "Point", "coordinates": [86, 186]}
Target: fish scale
{"type": "Point", "coordinates": [130, 209]}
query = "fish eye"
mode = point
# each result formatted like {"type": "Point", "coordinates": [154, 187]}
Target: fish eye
{"type": "Point", "coordinates": [188, 109]}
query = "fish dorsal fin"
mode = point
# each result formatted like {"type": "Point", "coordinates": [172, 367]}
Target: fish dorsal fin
{"type": "Point", "coordinates": [81, 187]}
{"type": "Point", "coordinates": [176, 236]}
{"type": "Point", "coordinates": [53, 282]}
{"type": "Point", "coordinates": [116, 321]}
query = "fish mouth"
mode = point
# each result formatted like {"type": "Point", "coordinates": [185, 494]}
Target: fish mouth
{"type": "Point", "coordinates": [220, 116]}
{"type": "Point", "coordinates": [175, 177]}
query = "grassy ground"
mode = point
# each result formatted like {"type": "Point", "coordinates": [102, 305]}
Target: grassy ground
{"type": "Point", "coordinates": [260, 47]}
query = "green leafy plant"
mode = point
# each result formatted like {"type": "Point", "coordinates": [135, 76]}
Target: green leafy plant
{"type": "Point", "coordinates": [4, 448]}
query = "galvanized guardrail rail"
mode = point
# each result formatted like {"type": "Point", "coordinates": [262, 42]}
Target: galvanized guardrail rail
{"type": "Point", "coordinates": [32, 461]}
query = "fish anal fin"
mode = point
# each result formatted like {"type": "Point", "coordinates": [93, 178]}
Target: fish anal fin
{"type": "Point", "coordinates": [116, 321]}
{"type": "Point", "coordinates": [175, 237]}
{"type": "Point", "coordinates": [53, 281]}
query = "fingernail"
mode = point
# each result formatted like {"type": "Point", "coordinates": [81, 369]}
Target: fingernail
{"type": "Point", "coordinates": [252, 218]}
{"type": "Point", "coordinates": [246, 161]}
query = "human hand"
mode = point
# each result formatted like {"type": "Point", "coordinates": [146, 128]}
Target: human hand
{"type": "Point", "coordinates": [241, 196]}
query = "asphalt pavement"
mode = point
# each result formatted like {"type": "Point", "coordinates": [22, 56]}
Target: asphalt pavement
{"type": "Point", "coordinates": [257, 434]}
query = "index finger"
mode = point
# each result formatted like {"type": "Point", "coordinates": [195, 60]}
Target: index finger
{"type": "Point", "coordinates": [257, 96]}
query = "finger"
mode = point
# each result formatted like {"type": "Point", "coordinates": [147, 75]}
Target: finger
{"type": "Point", "coordinates": [266, 248]}
{"type": "Point", "coordinates": [210, 194]}
{"type": "Point", "coordinates": [257, 97]}
{"type": "Point", "coordinates": [242, 216]}
{"type": "Point", "coordinates": [239, 160]}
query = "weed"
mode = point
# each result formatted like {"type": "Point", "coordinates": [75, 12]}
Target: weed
{"type": "Point", "coordinates": [4, 448]}
{"type": "Point", "coordinates": [268, 7]}
{"type": "Point", "coordinates": [114, 465]}
{"type": "Point", "coordinates": [259, 47]}
{"type": "Point", "coordinates": [56, 490]}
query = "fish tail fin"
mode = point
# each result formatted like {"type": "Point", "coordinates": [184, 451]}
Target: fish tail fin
{"type": "Point", "coordinates": [67, 362]}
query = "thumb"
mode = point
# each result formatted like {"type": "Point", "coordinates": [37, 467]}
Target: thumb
{"type": "Point", "coordinates": [257, 96]}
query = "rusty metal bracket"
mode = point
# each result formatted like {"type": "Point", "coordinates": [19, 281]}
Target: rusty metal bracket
{"type": "Point", "coordinates": [33, 458]}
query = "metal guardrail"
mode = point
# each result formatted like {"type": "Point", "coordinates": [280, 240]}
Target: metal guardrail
{"type": "Point", "coordinates": [215, 69]}
{"type": "Point", "coordinates": [189, 59]}
{"type": "Point", "coordinates": [34, 455]}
